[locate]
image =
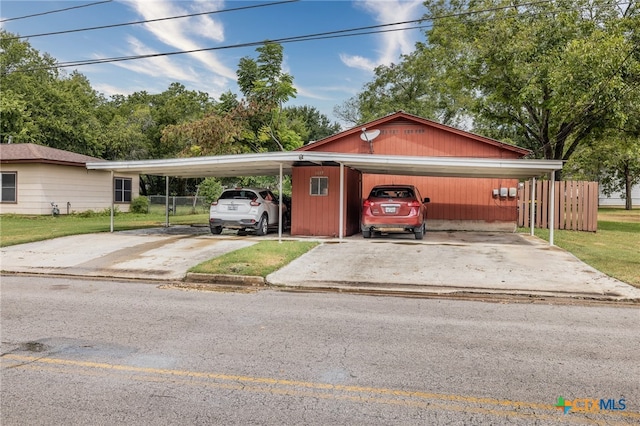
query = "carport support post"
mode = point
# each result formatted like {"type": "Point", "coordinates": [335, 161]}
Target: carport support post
{"type": "Point", "coordinates": [552, 206]}
{"type": "Point", "coordinates": [113, 196]}
{"type": "Point", "coordinates": [166, 201]}
{"type": "Point", "coordinates": [532, 213]}
{"type": "Point", "coordinates": [280, 206]}
{"type": "Point", "coordinates": [341, 219]}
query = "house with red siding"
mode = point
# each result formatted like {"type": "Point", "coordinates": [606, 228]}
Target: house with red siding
{"type": "Point", "coordinates": [457, 203]}
{"type": "Point", "coordinates": [472, 181]}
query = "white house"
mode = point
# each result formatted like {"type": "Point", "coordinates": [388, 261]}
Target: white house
{"type": "Point", "coordinates": [616, 200]}
{"type": "Point", "coordinates": [33, 176]}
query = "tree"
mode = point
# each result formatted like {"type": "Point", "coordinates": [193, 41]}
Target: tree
{"type": "Point", "coordinates": [317, 125]}
{"type": "Point", "coordinates": [417, 85]}
{"type": "Point", "coordinates": [266, 88]}
{"type": "Point", "coordinates": [39, 105]}
{"type": "Point", "coordinates": [613, 159]}
{"type": "Point", "coordinates": [549, 75]}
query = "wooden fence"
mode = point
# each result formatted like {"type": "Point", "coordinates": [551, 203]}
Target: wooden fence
{"type": "Point", "coordinates": [576, 205]}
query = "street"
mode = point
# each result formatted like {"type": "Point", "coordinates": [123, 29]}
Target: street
{"type": "Point", "coordinates": [78, 351]}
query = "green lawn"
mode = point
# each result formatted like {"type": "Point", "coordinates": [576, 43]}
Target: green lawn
{"type": "Point", "coordinates": [17, 229]}
{"type": "Point", "coordinates": [259, 260]}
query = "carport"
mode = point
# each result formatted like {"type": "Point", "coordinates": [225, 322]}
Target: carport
{"type": "Point", "coordinates": [281, 163]}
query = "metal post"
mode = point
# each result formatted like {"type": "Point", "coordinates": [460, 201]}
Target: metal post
{"type": "Point", "coordinates": [552, 207]}
{"type": "Point", "coordinates": [341, 208]}
{"type": "Point", "coordinates": [113, 197]}
{"type": "Point", "coordinates": [280, 206]}
{"type": "Point", "coordinates": [166, 201]}
{"type": "Point", "coordinates": [532, 214]}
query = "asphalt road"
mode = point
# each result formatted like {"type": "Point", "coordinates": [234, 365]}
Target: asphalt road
{"type": "Point", "coordinates": [96, 352]}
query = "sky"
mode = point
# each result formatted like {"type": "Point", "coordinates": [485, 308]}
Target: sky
{"type": "Point", "coordinates": [326, 72]}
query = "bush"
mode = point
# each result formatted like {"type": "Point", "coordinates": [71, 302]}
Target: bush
{"type": "Point", "coordinates": [210, 189]}
{"type": "Point", "coordinates": [139, 205]}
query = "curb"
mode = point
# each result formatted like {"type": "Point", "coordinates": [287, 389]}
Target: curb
{"type": "Point", "coordinates": [221, 279]}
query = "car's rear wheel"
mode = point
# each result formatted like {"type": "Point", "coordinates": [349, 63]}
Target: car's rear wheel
{"type": "Point", "coordinates": [366, 233]}
{"type": "Point", "coordinates": [216, 230]}
{"type": "Point", "coordinates": [263, 226]}
{"type": "Point", "coordinates": [419, 233]}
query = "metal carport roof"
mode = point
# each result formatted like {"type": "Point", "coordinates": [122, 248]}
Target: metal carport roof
{"type": "Point", "coordinates": [279, 163]}
{"type": "Point", "coordinates": [269, 163]}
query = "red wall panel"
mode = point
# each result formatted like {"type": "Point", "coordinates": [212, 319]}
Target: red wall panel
{"type": "Point", "coordinates": [456, 198]}
{"type": "Point", "coordinates": [406, 138]}
{"type": "Point", "coordinates": [319, 215]}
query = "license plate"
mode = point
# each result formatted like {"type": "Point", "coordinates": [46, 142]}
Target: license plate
{"type": "Point", "coordinates": [232, 207]}
{"type": "Point", "coordinates": [389, 209]}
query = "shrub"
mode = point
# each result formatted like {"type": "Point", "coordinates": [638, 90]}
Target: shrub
{"type": "Point", "coordinates": [210, 189]}
{"type": "Point", "coordinates": [139, 205]}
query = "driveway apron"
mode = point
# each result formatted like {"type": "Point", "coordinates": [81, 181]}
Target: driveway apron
{"type": "Point", "coordinates": [118, 255]}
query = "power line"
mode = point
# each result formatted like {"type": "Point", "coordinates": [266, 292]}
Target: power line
{"type": "Point", "coordinates": [371, 29]}
{"type": "Point", "coordinates": [55, 11]}
{"type": "Point", "coordinates": [124, 24]}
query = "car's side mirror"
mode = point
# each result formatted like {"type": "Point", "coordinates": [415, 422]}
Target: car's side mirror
{"type": "Point", "coordinates": [427, 200]}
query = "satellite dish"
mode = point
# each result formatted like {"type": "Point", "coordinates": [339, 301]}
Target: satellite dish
{"type": "Point", "coordinates": [370, 135]}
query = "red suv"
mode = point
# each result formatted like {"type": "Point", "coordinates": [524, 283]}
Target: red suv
{"type": "Point", "coordinates": [394, 208]}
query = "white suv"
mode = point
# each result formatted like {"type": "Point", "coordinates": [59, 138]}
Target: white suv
{"type": "Point", "coordinates": [245, 208]}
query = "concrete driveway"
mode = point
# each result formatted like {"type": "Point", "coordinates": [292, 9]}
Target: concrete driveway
{"type": "Point", "coordinates": [156, 254]}
{"type": "Point", "coordinates": [450, 263]}
{"type": "Point", "coordinates": [442, 263]}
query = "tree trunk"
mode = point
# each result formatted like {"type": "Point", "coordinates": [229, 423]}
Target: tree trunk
{"type": "Point", "coordinates": [627, 189]}
{"type": "Point", "coordinates": [143, 187]}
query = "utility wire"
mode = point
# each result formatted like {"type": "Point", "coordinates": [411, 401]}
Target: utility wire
{"type": "Point", "coordinates": [56, 11]}
{"type": "Point", "coordinates": [371, 29]}
{"type": "Point", "coordinates": [124, 24]}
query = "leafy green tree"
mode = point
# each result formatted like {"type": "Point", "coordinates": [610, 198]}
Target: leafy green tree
{"type": "Point", "coordinates": [266, 88]}
{"type": "Point", "coordinates": [317, 125]}
{"type": "Point", "coordinates": [418, 84]}
{"type": "Point", "coordinates": [549, 75]}
{"type": "Point", "coordinates": [613, 159]}
{"type": "Point", "coordinates": [136, 124]}
{"type": "Point", "coordinates": [41, 106]}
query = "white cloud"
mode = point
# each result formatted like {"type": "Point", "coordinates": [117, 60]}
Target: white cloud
{"type": "Point", "coordinates": [394, 43]}
{"type": "Point", "coordinates": [186, 34]}
{"type": "Point", "coordinates": [356, 61]}
{"type": "Point", "coordinates": [160, 66]}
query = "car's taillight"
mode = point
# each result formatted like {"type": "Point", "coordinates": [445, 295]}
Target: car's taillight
{"type": "Point", "coordinates": [254, 203]}
{"type": "Point", "coordinates": [215, 203]}
{"type": "Point", "coordinates": [367, 203]}
{"type": "Point", "coordinates": [414, 203]}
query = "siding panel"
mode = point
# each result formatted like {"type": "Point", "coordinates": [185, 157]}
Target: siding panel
{"type": "Point", "coordinates": [41, 184]}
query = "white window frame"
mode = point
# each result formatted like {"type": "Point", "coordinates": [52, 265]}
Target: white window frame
{"type": "Point", "coordinates": [319, 186]}
{"type": "Point", "coordinates": [119, 195]}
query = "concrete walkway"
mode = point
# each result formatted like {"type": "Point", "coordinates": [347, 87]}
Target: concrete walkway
{"type": "Point", "coordinates": [443, 263]}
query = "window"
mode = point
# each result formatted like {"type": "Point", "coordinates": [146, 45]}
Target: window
{"type": "Point", "coordinates": [123, 190]}
{"type": "Point", "coordinates": [8, 183]}
{"type": "Point", "coordinates": [319, 185]}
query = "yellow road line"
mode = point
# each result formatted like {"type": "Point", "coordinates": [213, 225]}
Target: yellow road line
{"type": "Point", "coordinates": [318, 390]}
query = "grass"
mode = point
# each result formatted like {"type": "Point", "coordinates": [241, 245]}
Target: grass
{"type": "Point", "coordinates": [260, 259]}
{"type": "Point", "coordinates": [18, 229]}
{"type": "Point", "coordinates": [614, 249]}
